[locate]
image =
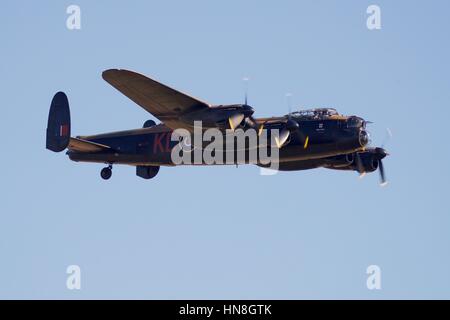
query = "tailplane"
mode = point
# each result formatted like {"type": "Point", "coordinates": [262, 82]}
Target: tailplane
{"type": "Point", "coordinates": [58, 126]}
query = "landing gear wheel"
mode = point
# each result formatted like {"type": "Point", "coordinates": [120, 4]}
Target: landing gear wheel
{"type": "Point", "coordinates": [106, 173]}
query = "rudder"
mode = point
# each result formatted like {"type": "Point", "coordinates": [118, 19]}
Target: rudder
{"type": "Point", "coordinates": [58, 125]}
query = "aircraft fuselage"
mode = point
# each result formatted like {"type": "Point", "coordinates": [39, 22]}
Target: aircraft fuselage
{"type": "Point", "coordinates": [153, 146]}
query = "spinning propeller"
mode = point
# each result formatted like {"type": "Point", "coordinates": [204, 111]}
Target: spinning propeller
{"type": "Point", "coordinates": [291, 127]}
{"type": "Point", "coordinates": [378, 154]}
{"type": "Point", "coordinates": [236, 119]}
{"type": "Point", "coordinates": [383, 152]}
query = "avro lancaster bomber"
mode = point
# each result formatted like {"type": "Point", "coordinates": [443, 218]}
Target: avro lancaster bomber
{"type": "Point", "coordinates": [308, 139]}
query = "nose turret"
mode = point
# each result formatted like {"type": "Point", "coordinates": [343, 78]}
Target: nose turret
{"type": "Point", "coordinates": [356, 122]}
{"type": "Point", "coordinates": [364, 137]}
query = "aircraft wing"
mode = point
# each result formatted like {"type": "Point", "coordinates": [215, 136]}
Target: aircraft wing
{"type": "Point", "coordinates": [163, 102]}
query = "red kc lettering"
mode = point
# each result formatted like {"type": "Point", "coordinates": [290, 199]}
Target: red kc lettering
{"type": "Point", "coordinates": [157, 143]}
{"type": "Point", "coordinates": [168, 139]}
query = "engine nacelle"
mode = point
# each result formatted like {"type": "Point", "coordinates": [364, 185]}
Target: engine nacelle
{"type": "Point", "coordinates": [341, 161]}
{"type": "Point", "coordinates": [147, 172]}
{"type": "Point", "coordinates": [149, 123]}
{"type": "Point", "coordinates": [369, 161]}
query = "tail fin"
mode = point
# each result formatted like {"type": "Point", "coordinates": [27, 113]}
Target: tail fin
{"type": "Point", "coordinates": [58, 126]}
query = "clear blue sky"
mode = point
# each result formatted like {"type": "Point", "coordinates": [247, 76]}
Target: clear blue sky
{"type": "Point", "coordinates": [222, 232]}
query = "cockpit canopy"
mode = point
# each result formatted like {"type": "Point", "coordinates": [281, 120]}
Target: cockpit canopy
{"type": "Point", "coordinates": [314, 114]}
{"type": "Point", "coordinates": [351, 122]}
